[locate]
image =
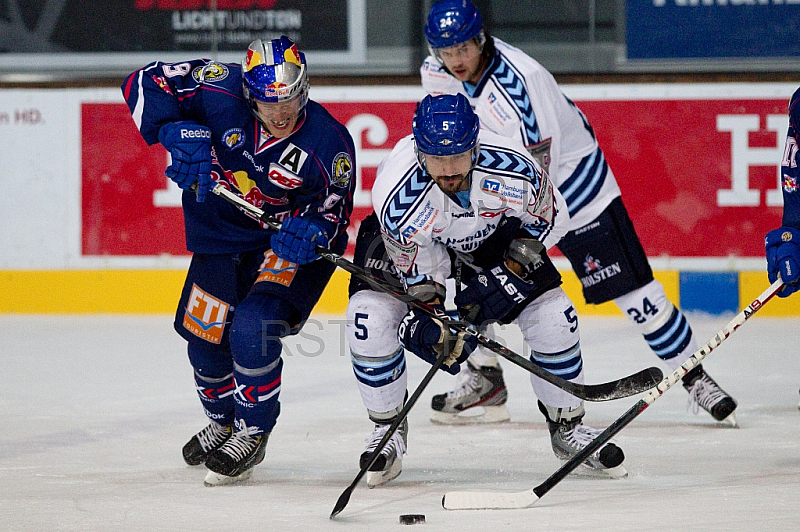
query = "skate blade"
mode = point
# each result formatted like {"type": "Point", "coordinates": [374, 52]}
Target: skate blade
{"type": "Point", "coordinates": [585, 470]}
{"type": "Point", "coordinates": [472, 416]}
{"type": "Point", "coordinates": [731, 421]}
{"type": "Point", "coordinates": [378, 478]}
{"type": "Point", "coordinates": [215, 479]}
{"type": "Point", "coordinates": [614, 472]}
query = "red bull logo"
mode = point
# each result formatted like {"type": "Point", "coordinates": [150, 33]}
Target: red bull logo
{"type": "Point", "coordinates": [789, 183]}
{"type": "Point", "coordinates": [258, 198]}
{"type": "Point", "coordinates": [276, 89]}
{"type": "Point", "coordinates": [253, 60]}
{"type": "Point", "coordinates": [161, 81]}
{"type": "Point", "coordinates": [292, 56]}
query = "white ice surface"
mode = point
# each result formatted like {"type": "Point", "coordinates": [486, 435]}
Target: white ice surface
{"type": "Point", "coordinates": [96, 409]}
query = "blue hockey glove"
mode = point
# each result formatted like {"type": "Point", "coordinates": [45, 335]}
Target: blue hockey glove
{"type": "Point", "coordinates": [297, 240]}
{"type": "Point", "coordinates": [492, 294]}
{"type": "Point", "coordinates": [783, 256]}
{"type": "Point", "coordinates": [189, 144]}
{"type": "Point", "coordinates": [427, 337]}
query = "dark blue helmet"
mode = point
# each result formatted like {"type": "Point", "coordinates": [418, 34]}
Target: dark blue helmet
{"type": "Point", "coordinates": [445, 125]}
{"type": "Point", "coordinates": [452, 22]}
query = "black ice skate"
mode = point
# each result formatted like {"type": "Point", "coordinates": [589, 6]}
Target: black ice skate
{"type": "Point", "coordinates": [568, 436]}
{"type": "Point", "coordinates": [208, 440]}
{"type": "Point", "coordinates": [235, 459]}
{"type": "Point", "coordinates": [389, 463]}
{"type": "Point", "coordinates": [706, 394]}
{"type": "Point", "coordinates": [479, 398]}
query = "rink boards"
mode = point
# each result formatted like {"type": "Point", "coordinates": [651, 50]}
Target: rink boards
{"type": "Point", "coordinates": [93, 226]}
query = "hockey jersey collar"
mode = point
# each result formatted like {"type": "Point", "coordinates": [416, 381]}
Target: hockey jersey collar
{"type": "Point", "coordinates": [471, 89]}
{"type": "Point", "coordinates": [265, 141]}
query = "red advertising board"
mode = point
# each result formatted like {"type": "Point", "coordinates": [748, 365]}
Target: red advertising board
{"type": "Point", "coordinates": [699, 177]}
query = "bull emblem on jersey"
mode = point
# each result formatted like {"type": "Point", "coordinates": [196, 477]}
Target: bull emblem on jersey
{"type": "Point", "coordinates": [789, 183]}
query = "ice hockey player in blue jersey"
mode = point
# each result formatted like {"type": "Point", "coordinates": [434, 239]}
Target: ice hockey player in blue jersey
{"type": "Point", "coordinates": [783, 244]}
{"type": "Point", "coordinates": [453, 190]}
{"type": "Point", "coordinates": [251, 129]}
{"type": "Point", "coordinates": [515, 96]}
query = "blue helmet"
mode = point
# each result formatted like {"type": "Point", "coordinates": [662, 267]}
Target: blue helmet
{"type": "Point", "coordinates": [452, 22]}
{"type": "Point", "coordinates": [445, 125]}
{"type": "Point", "coordinates": [274, 71]}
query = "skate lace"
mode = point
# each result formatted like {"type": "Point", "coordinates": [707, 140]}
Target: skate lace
{"type": "Point", "coordinates": [241, 443]}
{"type": "Point", "coordinates": [704, 393]}
{"type": "Point", "coordinates": [396, 443]}
{"type": "Point", "coordinates": [212, 436]}
{"type": "Point", "coordinates": [468, 382]}
{"type": "Point", "coordinates": [580, 436]}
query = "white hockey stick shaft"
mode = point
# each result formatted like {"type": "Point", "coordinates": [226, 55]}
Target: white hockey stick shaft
{"type": "Point", "coordinates": [463, 500]}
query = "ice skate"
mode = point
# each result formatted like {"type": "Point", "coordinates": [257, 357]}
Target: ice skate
{"type": "Point", "coordinates": [235, 459]}
{"type": "Point", "coordinates": [480, 397]}
{"type": "Point", "coordinates": [568, 436]}
{"type": "Point", "coordinates": [208, 440]}
{"type": "Point", "coordinates": [706, 394]}
{"type": "Point", "coordinates": [389, 463]}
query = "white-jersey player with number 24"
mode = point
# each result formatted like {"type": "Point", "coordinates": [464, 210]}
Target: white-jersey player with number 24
{"type": "Point", "coordinates": [515, 96]}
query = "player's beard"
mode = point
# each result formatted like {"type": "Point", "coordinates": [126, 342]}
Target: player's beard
{"type": "Point", "coordinates": [452, 184]}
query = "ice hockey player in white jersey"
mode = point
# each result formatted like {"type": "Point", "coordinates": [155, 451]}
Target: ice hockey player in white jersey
{"type": "Point", "coordinates": [449, 193]}
{"type": "Point", "coordinates": [515, 96]}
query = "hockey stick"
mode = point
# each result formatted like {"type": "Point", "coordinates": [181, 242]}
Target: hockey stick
{"type": "Point", "coordinates": [344, 498]}
{"type": "Point", "coordinates": [463, 500]}
{"type": "Point", "coordinates": [631, 385]}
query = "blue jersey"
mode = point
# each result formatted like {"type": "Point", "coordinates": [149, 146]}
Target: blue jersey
{"type": "Point", "coordinates": [310, 173]}
{"type": "Point", "coordinates": [790, 167]}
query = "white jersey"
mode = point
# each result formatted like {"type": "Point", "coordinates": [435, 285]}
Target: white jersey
{"type": "Point", "coordinates": [420, 222]}
{"type": "Point", "coordinates": [519, 98]}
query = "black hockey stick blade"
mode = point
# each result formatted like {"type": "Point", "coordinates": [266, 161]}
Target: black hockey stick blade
{"type": "Point", "coordinates": [637, 383]}
{"type": "Point", "coordinates": [617, 389]}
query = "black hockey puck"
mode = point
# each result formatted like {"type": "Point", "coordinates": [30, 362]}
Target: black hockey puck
{"type": "Point", "coordinates": [412, 519]}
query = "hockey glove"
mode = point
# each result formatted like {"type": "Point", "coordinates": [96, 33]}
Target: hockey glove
{"type": "Point", "coordinates": [492, 294]}
{"type": "Point", "coordinates": [427, 337]}
{"type": "Point", "coordinates": [189, 145]}
{"type": "Point", "coordinates": [297, 240]}
{"type": "Point", "coordinates": [783, 256]}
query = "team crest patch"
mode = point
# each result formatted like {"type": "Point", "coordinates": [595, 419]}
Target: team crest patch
{"type": "Point", "coordinates": [341, 170]}
{"type": "Point", "coordinates": [205, 315]}
{"type": "Point", "coordinates": [210, 73]}
{"type": "Point", "coordinates": [276, 270]}
{"type": "Point", "coordinates": [789, 184]}
{"type": "Point", "coordinates": [233, 138]}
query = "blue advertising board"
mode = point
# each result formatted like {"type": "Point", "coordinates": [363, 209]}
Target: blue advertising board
{"type": "Point", "coordinates": [694, 29]}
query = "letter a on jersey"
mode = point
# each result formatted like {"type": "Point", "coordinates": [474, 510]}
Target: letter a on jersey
{"type": "Point", "coordinates": [293, 158]}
